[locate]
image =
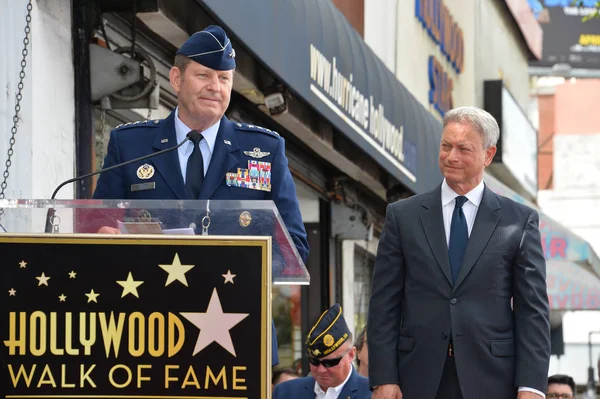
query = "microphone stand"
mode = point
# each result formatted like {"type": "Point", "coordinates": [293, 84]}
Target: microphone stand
{"type": "Point", "coordinates": [52, 228]}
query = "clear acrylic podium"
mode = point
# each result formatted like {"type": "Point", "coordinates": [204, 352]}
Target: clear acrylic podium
{"type": "Point", "coordinates": [170, 217]}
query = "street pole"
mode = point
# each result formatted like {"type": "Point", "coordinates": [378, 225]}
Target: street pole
{"type": "Point", "coordinates": [591, 385]}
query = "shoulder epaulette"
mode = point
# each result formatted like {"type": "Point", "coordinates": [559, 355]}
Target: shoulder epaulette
{"type": "Point", "coordinates": [254, 128]}
{"type": "Point", "coordinates": [145, 123]}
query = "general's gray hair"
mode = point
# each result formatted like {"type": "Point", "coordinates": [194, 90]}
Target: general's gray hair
{"type": "Point", "coordinates": [481, 120]}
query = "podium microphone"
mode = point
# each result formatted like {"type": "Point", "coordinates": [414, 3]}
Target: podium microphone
{"type": "Point", "coordinates": [51, 211]}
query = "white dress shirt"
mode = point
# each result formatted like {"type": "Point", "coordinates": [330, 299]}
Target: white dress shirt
{"type": "Point", "coordinates": [470, 208]}
{"type": "Point", "coordinates": [333, 392]}
{"type": "Point", "coordinates": [207, 145]}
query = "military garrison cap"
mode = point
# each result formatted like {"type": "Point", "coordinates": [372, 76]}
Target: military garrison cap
{"type": "Point", "coordinates": [328, 334]}
{"type": "Point", "coordinates": [210, 47]}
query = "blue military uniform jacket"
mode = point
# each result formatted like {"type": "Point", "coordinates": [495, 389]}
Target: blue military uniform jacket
{"type": "Point", "coordinates": [235, 146]}
{"type": "Point", "coordinates": [234, 141]}
{"type": "Point", "coordinates": [357, 387]}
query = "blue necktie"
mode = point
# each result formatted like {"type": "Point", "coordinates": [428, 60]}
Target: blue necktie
{"type": "Point", "coordinates": [459, 236]}
{"type": "Point", "coordinates": [194, 175]}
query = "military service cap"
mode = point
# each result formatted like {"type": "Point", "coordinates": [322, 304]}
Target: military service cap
{"type": "Point", "coordinates": [210, 47]}
{"type": "Point", "coordinates": [328, 334]}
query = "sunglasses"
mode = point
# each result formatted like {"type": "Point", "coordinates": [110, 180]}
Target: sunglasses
{"type": "Point", "coordinates": [328, 363]}
{"type": "Point", "coordinates": [559, 396]}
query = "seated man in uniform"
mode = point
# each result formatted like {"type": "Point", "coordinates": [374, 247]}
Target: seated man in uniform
{"type": "Point", "coordinates": [331, 353]}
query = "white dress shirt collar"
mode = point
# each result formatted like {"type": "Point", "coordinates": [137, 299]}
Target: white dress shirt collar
{"type": "Point", "coordinates": [332, 392]}
{"type": "Point", "coordinates": [181, 130]}
{"type": "Point", "coordinates": [474, 196]}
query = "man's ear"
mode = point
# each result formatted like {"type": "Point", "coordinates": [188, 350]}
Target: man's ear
{"type": "Point", "coordinates": [175, 77]}
{"type": "Point", "coordinates": [352, 353]}
{"type": "Point", "coordinates": [489, 155]}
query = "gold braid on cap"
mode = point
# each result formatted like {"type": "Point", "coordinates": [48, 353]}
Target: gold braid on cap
{"type": "Point", "coordinates": [324, 331]}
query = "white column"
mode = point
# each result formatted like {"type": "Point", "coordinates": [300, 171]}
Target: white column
{"type": "Point", "coordinates": [53, 106]}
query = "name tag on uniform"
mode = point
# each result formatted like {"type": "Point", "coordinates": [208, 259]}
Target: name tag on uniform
{"type": "Point", "coordinates": [143, 186]}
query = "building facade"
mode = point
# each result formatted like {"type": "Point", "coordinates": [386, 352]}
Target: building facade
{"type": "Point", "coordinates": [570, 193]}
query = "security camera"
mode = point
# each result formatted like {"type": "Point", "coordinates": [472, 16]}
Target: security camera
{"type": "Point", "coordinates": [276, 104]}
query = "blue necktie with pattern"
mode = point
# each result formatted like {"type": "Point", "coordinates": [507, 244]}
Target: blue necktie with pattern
{"type": "Point", "coordinates": [459, 236]}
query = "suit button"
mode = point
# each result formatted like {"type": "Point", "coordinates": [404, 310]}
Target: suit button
{"type": "Point", "coordinates": [453, 301]}
{"type": "Point", "coordinates": [444, 335]}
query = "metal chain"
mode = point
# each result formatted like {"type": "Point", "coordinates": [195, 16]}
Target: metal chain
{"type": "Point", "coordinates": [19, 97]}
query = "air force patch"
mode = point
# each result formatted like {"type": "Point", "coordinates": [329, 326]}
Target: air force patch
{"type": "Point", "coordinates": [257, 153]}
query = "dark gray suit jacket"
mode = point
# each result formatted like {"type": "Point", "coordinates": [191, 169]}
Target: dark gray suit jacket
{"type": "Point", "coordinates": [414, 306]}
{"type": "Point", "coordinates": [357, 387]}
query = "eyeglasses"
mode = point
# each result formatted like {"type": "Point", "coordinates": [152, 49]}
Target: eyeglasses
{"type": "Point", "coordinates": [328, 363]}
{"type": "Point", "coordinates": [559, 396]}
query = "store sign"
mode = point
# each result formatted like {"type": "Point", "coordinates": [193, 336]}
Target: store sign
{"type": "Point", "coordinates": [363, 114]}
{"type": "Point", "coordinates": [567, 39]}
{"type": "Point", "coordinates": [517, 144]}
{"type": "Point", "coordinates": [445, 32]}
{"type": "Point", "coordinates": [571, 287]}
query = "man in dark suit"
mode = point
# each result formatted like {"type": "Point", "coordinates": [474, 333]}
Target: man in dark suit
{"type": "Point", "coordinates": [330, 353]}
{"type": "Point", "coordinates": [227, 161]}
{"type": "Point", "coordinates": [459, 307]}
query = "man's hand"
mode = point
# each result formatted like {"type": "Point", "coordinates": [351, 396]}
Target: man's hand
{"type": "Point", "coordinates": [528, 395]}
{"type": "Point", "coordinates": [108, 230]}
{"type": "Point", "coordinates": [388, 391]}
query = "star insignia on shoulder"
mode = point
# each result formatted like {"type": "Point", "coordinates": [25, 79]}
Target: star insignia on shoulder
{"type": "Point", "coordinates": [257, 153]}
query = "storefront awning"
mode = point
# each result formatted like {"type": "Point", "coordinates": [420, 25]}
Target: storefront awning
{"type": "Point", "coordinates": [319, 56]}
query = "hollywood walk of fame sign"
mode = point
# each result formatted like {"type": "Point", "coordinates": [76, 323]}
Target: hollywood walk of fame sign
{"type": "Point", "coordinates": [150, 317]}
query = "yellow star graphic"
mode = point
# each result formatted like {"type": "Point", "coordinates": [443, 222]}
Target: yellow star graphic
{"type": "Point", "coordinates": [72, 274]}
{"type": "Point", "coordinates": [62, 297]}
{"type": "Point", "coordinates": [22, 264]}
{"type": "Point", "coordinates": [12, 292]}
{"type": "Point", "coordinates": [130, 286]}
{"type": "Point", "coordinates": [92, 296]}
{"type": "Point", "coordinates": [43, 280]}
{"type": "Point", "coordinates": [228, 277]}
{"type": "Point", "coordinates": [176, 271]}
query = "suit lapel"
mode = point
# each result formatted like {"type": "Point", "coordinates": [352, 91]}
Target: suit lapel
{"type": "Point", "coordinates": [350, 387]}
{"type": "Point", "coordinates": [222, 160]}
{"type": "Point", "coordinates": [433, 225]}
{"type": "Point", "coordinates": [309, 387]}
{"type": "Point", "coordinates": [168, 164]}
{"type": "Point", "coordinates": [485, 223]}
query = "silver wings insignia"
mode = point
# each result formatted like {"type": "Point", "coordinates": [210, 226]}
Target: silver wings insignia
{"type": "Point", "coordinates": [257, 153]}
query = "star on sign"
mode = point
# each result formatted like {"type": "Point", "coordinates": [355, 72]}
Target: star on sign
{"type": "Point", "coordinates": [130, 286]}
{"type": "Point", "coordinates": [228, 277]}
{"type": "Point", "coordinates": [43, 280]}
{"type": "Point", "coordinates": [176, 271]}
{"type": "Point", "coordinates": [22, 264]}
{"type": "Point", "coordinates": [214, 325]}
{"type": "Point", "coordinates": [72, 274]}
{"type": "Point", "coordinates": [12, 292]}
{"type": "Point", "coordinates": [62, 297]}
{"type": "Point", "coordinates": [92, 296]}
